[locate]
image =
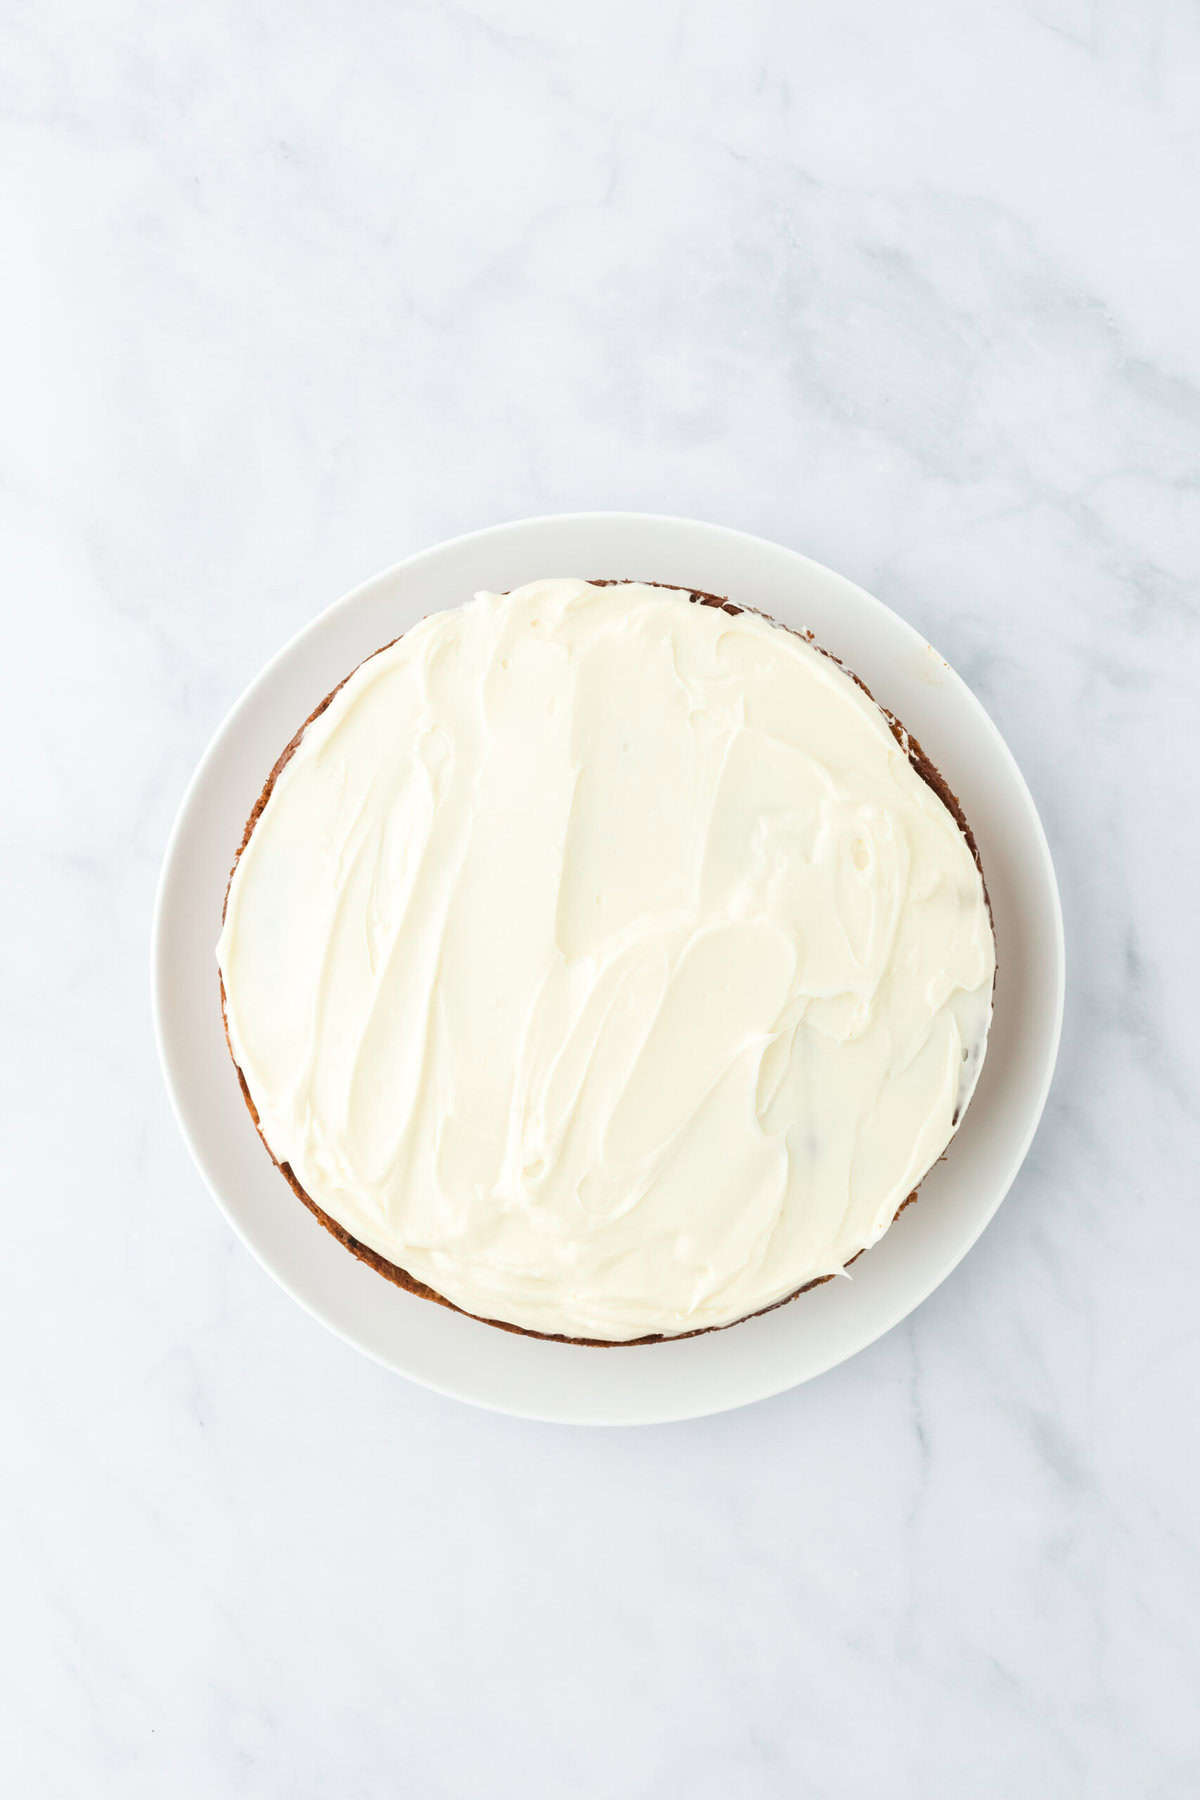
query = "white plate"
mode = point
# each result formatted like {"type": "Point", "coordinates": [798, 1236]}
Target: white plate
{"type": "Point", "coordinates": [651, 1382]}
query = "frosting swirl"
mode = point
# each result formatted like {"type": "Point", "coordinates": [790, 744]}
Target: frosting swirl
{"type": "Point", "coordinates": [600, 959]}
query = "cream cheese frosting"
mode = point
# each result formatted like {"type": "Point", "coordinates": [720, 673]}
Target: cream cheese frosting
{"type": "Point", "coordinates": [600, 958]}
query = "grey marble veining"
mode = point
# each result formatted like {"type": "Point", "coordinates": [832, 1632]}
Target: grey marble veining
{"type": "Point", "coordinates": [289, 292]}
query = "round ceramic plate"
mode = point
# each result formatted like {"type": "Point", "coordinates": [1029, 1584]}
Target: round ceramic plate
{"type": "Point", "coordinates": [652, 1382]}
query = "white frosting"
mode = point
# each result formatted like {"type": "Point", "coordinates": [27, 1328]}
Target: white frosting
{"type": "Point", "coordinates": [600, 959]}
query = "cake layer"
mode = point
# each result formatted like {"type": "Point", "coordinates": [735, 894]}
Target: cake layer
{"type": "Point", "coordinates": [601, 960]}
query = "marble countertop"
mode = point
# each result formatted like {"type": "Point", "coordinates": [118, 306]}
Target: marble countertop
{"type": "Point", "coordinates": [290, 292]}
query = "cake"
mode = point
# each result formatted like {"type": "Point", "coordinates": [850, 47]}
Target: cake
{"type": "Point", "coordinates": [602, 961]}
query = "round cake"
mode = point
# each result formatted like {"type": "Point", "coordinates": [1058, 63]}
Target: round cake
{"type": "Point", "coordinates": [601, 960]}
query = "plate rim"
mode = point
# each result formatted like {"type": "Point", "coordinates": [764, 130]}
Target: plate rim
{"type": "Point", "coordinates": [748, 542]}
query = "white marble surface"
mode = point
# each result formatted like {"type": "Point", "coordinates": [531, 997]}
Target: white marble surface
{"type": "Point", "coordinates": [289, 291]}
